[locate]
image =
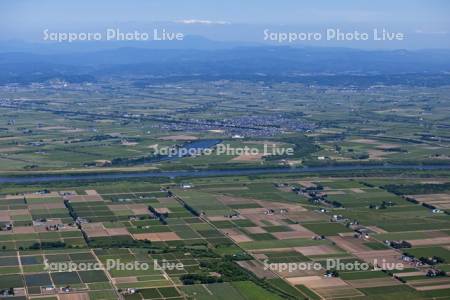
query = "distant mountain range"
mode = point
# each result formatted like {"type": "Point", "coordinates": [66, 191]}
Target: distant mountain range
{"type": "Point", "coordinates": [204, 59]}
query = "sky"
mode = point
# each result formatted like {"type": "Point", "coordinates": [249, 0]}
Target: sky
{"type": "Point", "coordinates": [425, 22]}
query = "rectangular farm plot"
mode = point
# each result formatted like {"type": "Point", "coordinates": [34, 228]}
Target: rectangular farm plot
{"type": "Point", "coordinates": [11, 280]}
{"type": "Point", "coordinates": [373, 196]}
{"type": "Point", "coordinates": [441, 201]}
{"type": "Point", "coordinates": [65, 278]}
{"type": "Point", "coordinates": [41, 240]}
{"type": "Point", "coordinates": [37, 280]}
{"type": "Point", "coordinates": [204, 202]}
{"type": "Point", "coordinates": [327, 229]}
{"type": "Point", "coordinates": [262, 191]}
{"type": "Point", "coordinates": [158, 237]}
{"type": "Point", "coordinates": [99, 230]}
{"type": "Point", "coordinates": [295, 231]}
{"type": "Point", "coordinates": [326, 287]}
{"type": "Point", "coordinates": [265, 220]}
{"type": "Point", "coordinates": [274, 244]}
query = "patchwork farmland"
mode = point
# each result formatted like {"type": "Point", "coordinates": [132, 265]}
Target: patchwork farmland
{"type": "Point", "coordinates": [250, 238]}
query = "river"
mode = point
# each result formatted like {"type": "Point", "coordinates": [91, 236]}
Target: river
{"type": "Point", "coordinates": [205, 173]}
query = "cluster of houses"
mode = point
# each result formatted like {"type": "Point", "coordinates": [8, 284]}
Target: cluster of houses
{"type": "Point", "coordinates": [233, 215]}
{"type": "Point", "coordinates": [81, 221]}
{"type": "Point", "coordinates": [54, 227]}
{"type": "Point", "coordinates": [383, 205]}
{"type": "Point", "coordinates": [52, 289]}
{"type": "Point", "coordinates": [419, 262]}
{"type": "Point", "coordinates": [42, 192]}
{"type": "Point", "coordinates": [129, 291]}
{"type": "Point", "coordinates": [315, 195]}
{"type": "Point", "coordinates": [7, 292]}
{"type": "Point", "coordinates": [248, 126]}
{"type": "Point", "coordinates": [362, 233]}
{"type": "Point", "coordinates": [270, 211]}
{"type": "Point", "coordinates": [6, 227]}
{"type": "Point", "coordinates": [132, 218]}
{"type": "Point", "coordinates": [435, 273]}
{"type": "Point", "coordinates": [338, 218]}
{"type": "Point", "coordinates": [331, 273]}
{"type": "Point", "coordinates": [411, 260]}
{"type": "Point", "coordinates": [186, 186]}
{"type": "Point", "coordinates": [398, 244]}
{"type": "Point", "coordinates": [49, 224]}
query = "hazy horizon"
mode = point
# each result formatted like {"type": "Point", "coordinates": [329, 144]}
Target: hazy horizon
{"type": "Point", "coordinates": [424, 24]}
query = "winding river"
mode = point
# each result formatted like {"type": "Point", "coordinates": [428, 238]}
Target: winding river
{"type": "Point", "coordinates": [206, 173]}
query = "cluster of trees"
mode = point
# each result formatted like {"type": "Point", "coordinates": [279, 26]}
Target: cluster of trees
{"type": "Point", "coordinates": [303, 147]}
{"type": "Point", "coordinates": [118, 242]}
{"type": "Point", "coordinates": [72, 211]}
{"type": "Point", "coordinates": [188, 279]}
{"type": "Point", "coordinates": [161, 216]}
{"type": "Point", "coordinates": [47, 245]}
{"type": "Point", "coordinates": [436, 273]}
{"type": "Point", "coordinates": [395, 149]}
{"type": "Point", "coordinates": [7, 292]}
{"type": "Point", "coordinates": [191, 209]}
{"type": "Point", "coordinates": [434, 260]}
{"type": "Point", "coordinates": [230, 271]}
{"type": "Point", "coordinates": [362, 155]}
{"type": "Point", "coordinates": [124, 161]}
{"type": "Point", "coordinates": [400, 245]}
{"type": "Point", "coordinates": [412, 200]}
{"type": "Point", "coordinates": [335, 203]}
{"type": "Point", "coordinates": [416, 189]}
{"type": "Point", "coordinates": [429, 206]}
{"type": "Point", "coordinates": [383, 205]}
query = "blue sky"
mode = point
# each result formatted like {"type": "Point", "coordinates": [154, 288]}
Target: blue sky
{"type": "Point", "coordinates": [226, 19]}
{"type": "Point", "coordinates": [240, 11]}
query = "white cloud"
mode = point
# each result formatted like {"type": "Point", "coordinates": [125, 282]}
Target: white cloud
{"type": "Point", "coordinates": [431, 31]}
{"type": "Point", "coordinates": [203, 22]}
